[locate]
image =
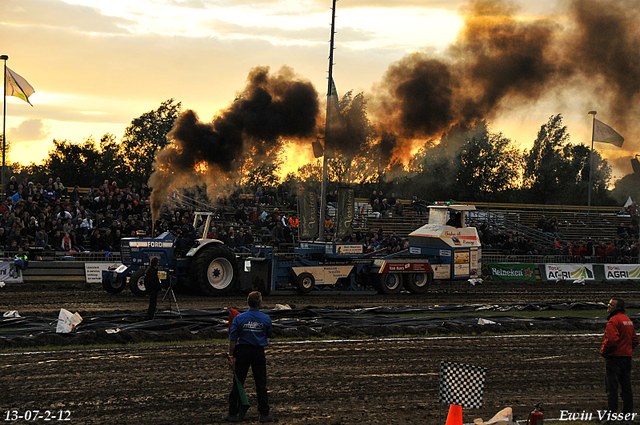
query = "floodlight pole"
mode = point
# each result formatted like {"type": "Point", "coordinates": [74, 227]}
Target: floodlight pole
{"type": "Point", "coordinates": [323, 192]}
{"type": "Point", "coordinates": [593, 129]}
{"type": "Point", "coordinates": [4, 115]}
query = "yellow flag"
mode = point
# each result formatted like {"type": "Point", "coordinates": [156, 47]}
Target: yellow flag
{"type": "Point", "coordinates": [18, 86]}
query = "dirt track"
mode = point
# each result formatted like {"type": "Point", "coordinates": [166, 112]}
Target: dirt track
{"type": "Point", "coordinates": [367, 382]}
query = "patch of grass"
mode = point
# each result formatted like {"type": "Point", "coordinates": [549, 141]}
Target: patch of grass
{"type": "Point", "coordinates": [524, 313]}
{"type": "Point", "coordinates": [113, 346]}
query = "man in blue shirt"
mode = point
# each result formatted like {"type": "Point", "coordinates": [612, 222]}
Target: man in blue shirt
{"type": "Point", "coordinates": [247, 339]}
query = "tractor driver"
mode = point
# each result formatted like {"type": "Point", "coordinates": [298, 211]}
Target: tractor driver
{"type": "Point", "coordinates": [455, 220]}
{"type": "Point", "coordinates": [187, 235]}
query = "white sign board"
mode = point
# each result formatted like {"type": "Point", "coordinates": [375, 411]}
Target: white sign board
{"type": "Point", "coordinates": [9, 273]}
{"type": "Point", "coordinates": [93, 271]}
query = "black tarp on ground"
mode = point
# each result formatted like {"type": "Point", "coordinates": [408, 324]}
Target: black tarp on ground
{"type": "Point", "coordinates": [303, 322]}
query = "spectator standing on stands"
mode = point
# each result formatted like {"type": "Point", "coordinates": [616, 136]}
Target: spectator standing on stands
{"type": "Point", "coordinates": [66, 243]}
{"type": "Point", "coordinates": [50, 194]}
{"type": "Point", "coordinates": [398, 209]}
{"type": "Point", "coordinates": [373, 197]}
{"type": "Point", "coordinates": [59, 188]}
{"type": "Point", "coordinates": [620, 339]}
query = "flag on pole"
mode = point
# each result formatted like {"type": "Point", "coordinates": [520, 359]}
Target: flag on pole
{"type": "Point", "coordinates": [605, 134]}
{"type": "Point", "coordinates": [18, 86]}
{"type": "Point", "coordinates": [333, 121]}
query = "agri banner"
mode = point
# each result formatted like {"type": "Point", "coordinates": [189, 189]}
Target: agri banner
{"type": "Point", "coordinates": [513, 271]}
{"type": "Point", "coordinates": [568, 272]}
{"type": "Point", "coordinates": [346, 203]}
{"type": "Point", "coordinates": [308, 209]}
{"type": "Point", "coordinates": [9, 273]}
{"type": "Point", "coordinates": [622, 272]}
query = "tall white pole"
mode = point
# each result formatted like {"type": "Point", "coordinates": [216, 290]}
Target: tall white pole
{"type": "Point", "coordinates": [323, 193]}
{"type": "Point", "coordinates": [4, 115]}
{"type": "Point", "coordinates": [593, 129]}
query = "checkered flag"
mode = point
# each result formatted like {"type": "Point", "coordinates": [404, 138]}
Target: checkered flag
{"type": "Point", "coordinates": [461, 384]}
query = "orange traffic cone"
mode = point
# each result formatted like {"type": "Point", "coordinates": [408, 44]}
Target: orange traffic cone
{"type": "Point", "coordinates": [455, 415]}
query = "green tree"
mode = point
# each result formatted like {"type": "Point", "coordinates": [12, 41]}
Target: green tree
{"type": "Point", "coordinates": [261, 175]}
{"type": "Point", "coordinates": [490, 165]}
{"type": "Point", "coordinates": [544, 162]}
{"type": "Point", "coordinates": [354, 142]}
{"type": "Point", "coordinates": [628, 185]}
{"type": "Point", "coordinates": [144, 137]}
{"type": "Point", "coordinates": [558, 172]}
{"type": "Point", "coordinates": [111, 161]}
{"type": "Point", "coordinates": [74, 163]}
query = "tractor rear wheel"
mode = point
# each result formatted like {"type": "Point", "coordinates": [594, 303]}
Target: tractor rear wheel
{"type": "Point", "coordinates": [389, 283]}
{"type": "Point", "coordinates": [417, 283]}
{"type": "Point", "coordinates": [215, 270]}
{"type": "Point", "coordinates": [136, 283]}
{"type": "Point", "coordinates": [114, 286]}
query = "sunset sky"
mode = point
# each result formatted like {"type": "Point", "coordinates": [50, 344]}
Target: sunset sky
{"type": "Point", "coordinates": [96, 64]}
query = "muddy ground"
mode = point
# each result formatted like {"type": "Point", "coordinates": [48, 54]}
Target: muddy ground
{"type": "Point", "coordinates": [376, 381]}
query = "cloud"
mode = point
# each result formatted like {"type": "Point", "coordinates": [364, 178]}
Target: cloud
{"type": "Point", "coordinates": [427, 4]}
{"type": "Point", "coordinates": [61, 15]}
{"type": "Point", "coordinates": [77, 74]}
{"type": "Point", "coordinates": [313, 35]}
{"type": "Point", "coordinates": [189, 4]}
{"type": "Point", "coordinates": [31, 129]}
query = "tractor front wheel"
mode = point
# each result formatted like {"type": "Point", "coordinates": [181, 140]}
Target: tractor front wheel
{"type": "Point", "coordinates": [136, 283]}
{"type": "Point", "coordinates": [114, 286]}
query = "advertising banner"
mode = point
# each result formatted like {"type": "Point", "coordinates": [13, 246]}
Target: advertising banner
{"type": "Point", "coordinates": [622, 272]}
{"type": "Point", "coordinates": [568, 271]}
{"type": "Point", "coordinates": [346, 203]}
{"type": "Point", "coordinates": [9, 273]}
{"type": "Point", "coordinates": [308, 209]}
{"type": "Point", "coordinates": [513, 271]}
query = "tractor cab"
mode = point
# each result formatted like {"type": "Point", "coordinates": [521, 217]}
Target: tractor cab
{"type": "Point", "coordinates": [453, 249]}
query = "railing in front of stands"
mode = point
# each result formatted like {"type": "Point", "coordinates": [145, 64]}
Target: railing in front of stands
{"type": "Point", "coordinates": [553, 259]}
{"type": "Point", "coordinates": [87, 256]}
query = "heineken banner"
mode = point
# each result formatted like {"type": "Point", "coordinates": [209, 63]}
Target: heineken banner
{"type": "Point", "coordinates": [622, 272]}
{"type": "Point", "coordinates": [346, 203]}
{"type": "Point", "coordinates": [308, 211]}
{"type": "Point", "coordinates": [568, 271]}
{"type": "Point", "coordinates": [513, 271]}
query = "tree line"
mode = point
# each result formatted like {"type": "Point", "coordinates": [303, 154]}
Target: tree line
{"type": "Point", "coordinates": [466, 164]}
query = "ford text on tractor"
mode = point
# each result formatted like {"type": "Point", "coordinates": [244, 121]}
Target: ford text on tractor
{"type": "Point", "coordinates": [203, 264]}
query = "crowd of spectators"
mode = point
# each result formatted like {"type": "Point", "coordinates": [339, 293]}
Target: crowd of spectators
{"type": "Point", "coordinates": [51, 216]}
{"type": "Point", "coordinates": [385, 206]}
{"type": "Point", "coordinates": [623, 248]}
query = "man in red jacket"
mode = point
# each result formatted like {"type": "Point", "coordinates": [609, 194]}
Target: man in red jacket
{"type": "Point", "coordinates": [620, 339]}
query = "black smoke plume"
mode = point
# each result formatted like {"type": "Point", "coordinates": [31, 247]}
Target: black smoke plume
{"type": "Point", "coordinates": [500, 61]}
{"type": "Point", "coordinates": [271, 107]}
